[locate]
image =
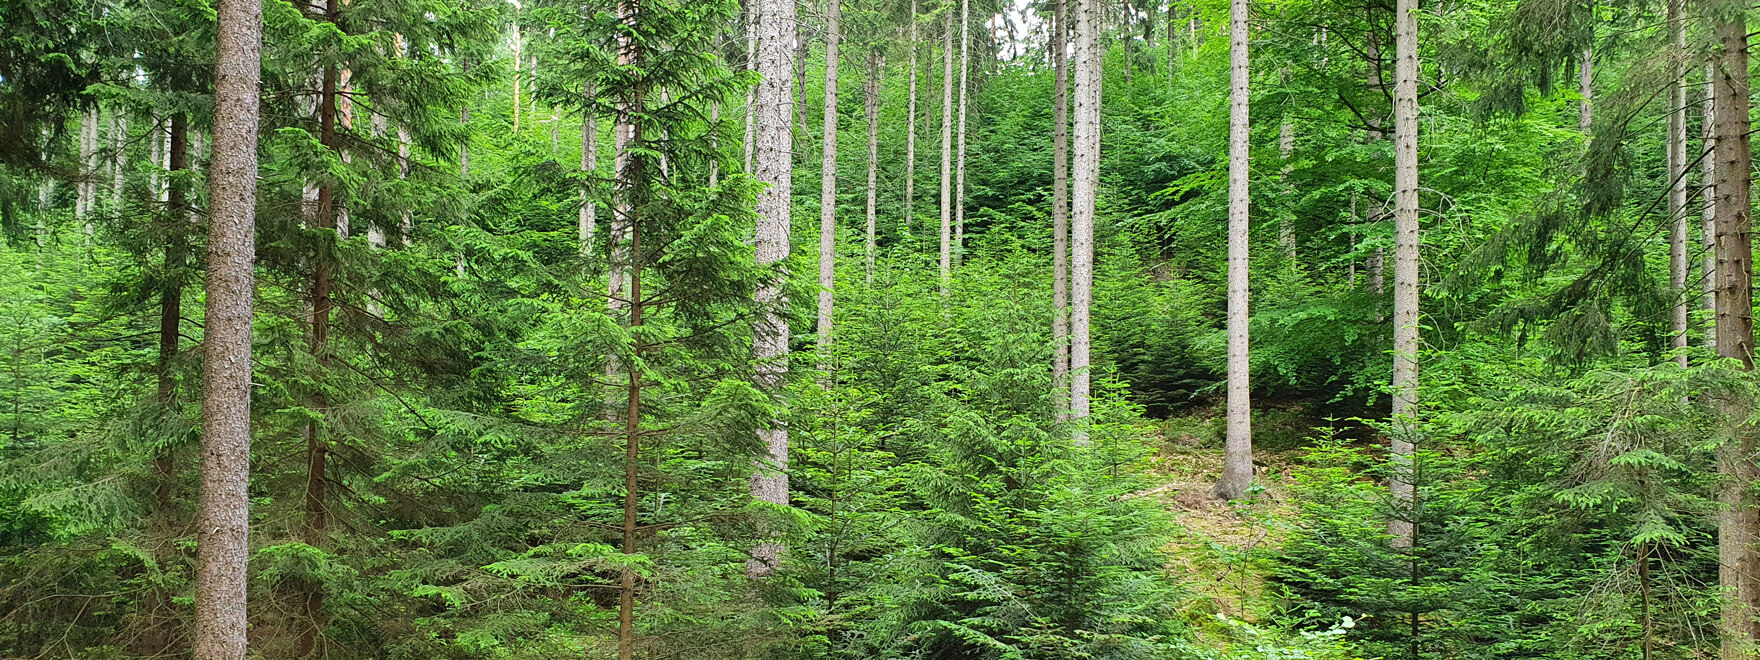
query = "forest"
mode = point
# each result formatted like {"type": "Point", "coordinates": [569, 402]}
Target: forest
{"type": "Point", "coordinates": [877, 329]}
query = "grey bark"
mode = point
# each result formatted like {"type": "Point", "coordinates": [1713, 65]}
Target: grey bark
{"type": "Point", "coordinates": [1087, 175]}
{"type": "Point", "coordinates": [946, 149]}
{"type": "Point", "coordinates": [589, 163]}
{"type": "Point", "coordinates": [222, 544]}
{"type": "Point", "coordinates": [871, 98]}
{"type": "Point", "coordinates": [1586, 88]}
{"type": "Point", "coordinates": [1708, 216]}
{"type": "Point", "coordinates": [1237, 463]}
{"type": "Point", "coordinates": [1405, 266]}
{"type": "Point", "coordinates": [965, 59]}
{"type": "Point", "coordinates": [118, 157]}
{"type": "Point", "coordinates": [773, 162]}
{"type": "Point", "coordinates": [910, 130]}
{"type": "Point", "coordinates": [828, 185]}
{"type": "Point", "coordinates": [1677, 175]}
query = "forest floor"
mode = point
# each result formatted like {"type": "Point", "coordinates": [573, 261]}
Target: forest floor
{"type": "Point", "coordinates": [1222, 550]}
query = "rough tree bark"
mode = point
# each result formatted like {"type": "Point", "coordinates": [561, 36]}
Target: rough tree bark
{"type": "Point", "coordinates": [871, 102]}
{"type": "Point", "coordinates": [773, 162]}
{"type": "Point", "coordinates": [1586, 87]}
{"type": "Point", "coordinates": [222, 546]}
{"type": "Point", "coordinates": [589, 163]}
{"type": "Point", "coordinates": [1708, 192]}
{"type": "Point", "coordinates": [1677, 174]}
{"type": "Point", "coordinates": [1087, 176]}
{"type": "Point", "coordinates": [965, 61]}
{"type": "Point", "coordinates": [1237, 464]}
{"type": "Point", "coordinates": [1738, 519]}
{"type": "Point", "coordinates": [946, 148]}
{"type": "Point", "coordinates": [1405, 266]}
{"type": "Point", "coordinates": [828, 184]}
{"type": "Point", "coordinates": [910, 130]}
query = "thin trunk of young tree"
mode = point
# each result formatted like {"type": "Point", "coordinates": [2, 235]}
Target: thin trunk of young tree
{"type": "Point", "coordinates": [965, 60]}
{"type": "Point", "coordinates": [1738, 519]}
{"type": "Point", "coordinates": [1237, 463]}
{"type": "Point", "coordinates": [1586, 88]}
{"type": "Point", "coordinates": [629, 171]}
{"type": "Point", "coordinates": [1377, 207]}
{"type": "Point", "coordinates": [1677, 175]}
{"type": "Point", "coordinates": [88, 187]}
{"type": "Point", "coordinates": [222, 544]}
{"type": "Point", "coordinates": [910, 130]}
{"type": "Point", "coordinates": [1708, 195]}
{"type": "Point", "coordinates": [946, 149]}
{"type": "Point", "coordinates": [871, 101]}
{"type": "Point", "coordinates": [517, 61]}
{"type": "Point", "coordinates": [1286, 149]}
{"type": "Point", "coordinates": [802, 52]}
{"type": "Point", "coordinates": [1087, 178]}
{"type": "Point", "coordinates": [316, 509]}
{"type": "Point", "coordinates": [1405, 267]}
{"type": "Point", "coordinates": [1059, 43]}
{"type": "Point", "coordinates": [589, 164]}
{"type": "Point", "coordinates": [1172, 42]}
{"type": "Point", "coordinates": [773, 160]}
{"type": "Point", "coordinates": [171, 302]}
{"type": "Point", "coordinates": [828, 185]}
{"type": "Point", "coordinates": [118, 157]}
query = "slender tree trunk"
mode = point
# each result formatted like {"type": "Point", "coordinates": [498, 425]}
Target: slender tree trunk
{"type": "Point", "coordinates": [1377, 207]}
{"type": "Point", "coordinates": [1405, 267]}
{"type": "Point", "coordinates": [1087, 178]}
{"type": "Point", "coordinates": [119, 159]}
{"type": "Point", "coordinates": [1059, 43]}
{"type": "Point", "coordinates": [516, 73]}
{"type": "Point", "coordinates": [222, 544]}
{"type": "Point", "coordinates": [965, 59]}
{"type": "Point", "coordinates": [1708, 216]}
{"type": "Point", "coordinates": [1677, 175]}
{"type": "Point", "coordinates": [316, 511]}
{"type": "Point", "coordinates": [773, 159]}
{"type": "Point", "coordinates": [88, 188]}
{"type": "Point", "coordinates": [1237, 463]}
{"type": "Point", "coordinates": [1172, 43]}
{"type": "Point", "coordinates": [946, 149]}
{"type": "Point", "coordinates": [871, 99]}
{"type": "Point", "coordinates": [910, 130]}
{"type": "Point", "coordinates": [629, 172]}
{"type": "Point", "coordinates": [1738, 519]}
{"type": "Point", "coordinates": [589, 164]}
{"type": "Point", "coordinates": [1586, 87]}
{"type": "Point", "coordinates": [751, 65]}
{"type": "Point", "coordinates": [464, 146]}
{"type": "Point", "coordinates": [828, 185]}
{"type": "Point", "coordinates": [1286, 149]}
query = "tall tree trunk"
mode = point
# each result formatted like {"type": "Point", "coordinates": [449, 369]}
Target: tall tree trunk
{"type": "Point", "coordinates": [1087, 179]}
{"type": "Point", "coordinates": [1237, 463]}
{"type": "Point", "coordinates": [946, 149]}
{"type": "Point", "coordinates": [1738, 519]}
{"type": "Point", "coordinates": [1059, 43]}
{"type": "Point", "coordinates": [171, 300]}
{"type": "Point", "coordinates": [88, 187]}
{"type": "Point", "coordinates": [1172, 43]}
{"type": "Point", "coordinates": [1708, 192]}
{"type": "Point", "coordinates": [1677, 174]}
{"type": "Point", "coordinates": [773, 160]}
{"type": "Point", "coordinates": [751, 65]}
{"type": "Point", "coordinates": [1377, 207]}
{"type": "Point", "coordinates": [516, 74]}
{"type": "Point", "coordinates": [910, 130]}
{"type": "Point", "coordinates": [316, 510]}
{"type": "Point", "coordinates": [871, 99]}
{"type": "Point", "coordinates": [1286, 149]}
{"type": "Point", "coordinates": [222, 546]}
{"type": "Point", "coordinates": [1405, 266]}
{"type": "Point", "coordinates": [828, 185]}
{"type": "Point", "coordinates": [589, 164]}
{"type": "Point", "coordinates": [965, 60]}
{"type": "Point", "coordinates": [119, 157]}
{"type": "Point", "coordinates": [629, 171]}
